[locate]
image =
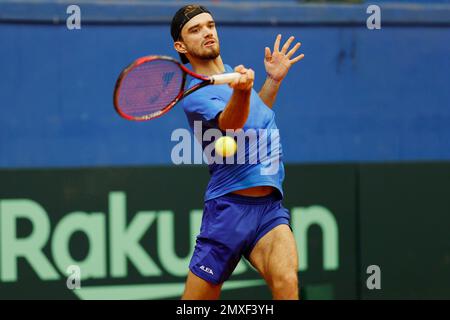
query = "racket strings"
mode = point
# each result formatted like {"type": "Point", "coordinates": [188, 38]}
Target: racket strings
{"type": "Point", "coordinates": [150, 87]}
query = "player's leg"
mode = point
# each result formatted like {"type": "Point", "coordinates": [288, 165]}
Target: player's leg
{"type": "Point", "coordinates": [218, 248]}
{"type": "Point", "coordinates": [198, 289]}
{"type": "Point", "coordinates": [275, 257]}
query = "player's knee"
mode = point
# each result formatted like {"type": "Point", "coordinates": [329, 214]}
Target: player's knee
{"type": "Point", "coordinates": [287, 281]}
{"type": "Point", "coordinates": [285, 286]}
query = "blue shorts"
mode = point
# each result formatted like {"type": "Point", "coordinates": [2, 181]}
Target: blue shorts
{"type": "Point", "coordinates": [231, 226]}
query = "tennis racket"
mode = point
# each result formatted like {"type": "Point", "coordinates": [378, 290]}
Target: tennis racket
{"type": "Point", "coordinates": [150, 86]}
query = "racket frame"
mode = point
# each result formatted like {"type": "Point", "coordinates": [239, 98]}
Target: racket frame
{"type": "Point", "coordinates": [183, 93]}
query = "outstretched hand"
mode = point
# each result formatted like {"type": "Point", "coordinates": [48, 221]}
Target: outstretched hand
{"type": "Point", "coordinates": [278, 63]}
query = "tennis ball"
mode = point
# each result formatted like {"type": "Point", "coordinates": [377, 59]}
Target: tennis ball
{"type": "Point", "coordinates": [225, 146]}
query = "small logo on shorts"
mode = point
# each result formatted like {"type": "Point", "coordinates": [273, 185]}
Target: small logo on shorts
{"type": "Point", "coordinates": [207, 270]}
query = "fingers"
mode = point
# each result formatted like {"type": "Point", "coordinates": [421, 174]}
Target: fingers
{"type": "Point", "coordinates": [234, 83]}
{"type": "Point", "coordinates": [300, 57]}
{"type": "Point", "coordinates": [285, 48]}
{"type": "Point", "coordinates": [267, 54]}
{"type": "Point", "coordinates": [250, 75]}
{"type": "Point", "coordinates": [276, 46]}
{"type": "Point", "coordinates": [293, 50]}
{"type": "Point", "coordinates": [287, 44]}
{"type": "Point", "coordinates": [239, 68]}
{"type": "Point", "coordinates": [245, 82]}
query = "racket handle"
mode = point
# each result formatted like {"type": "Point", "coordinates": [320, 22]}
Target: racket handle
{"type": "Point", "coordinates": [225, 78]}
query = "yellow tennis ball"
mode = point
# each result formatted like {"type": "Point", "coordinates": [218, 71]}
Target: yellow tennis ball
{"type": "Point", "coordinates": [226, 146]}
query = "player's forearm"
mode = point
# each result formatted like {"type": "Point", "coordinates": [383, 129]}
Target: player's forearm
{"type": "Point", "coordinates": [269, 91]}
{"type": "Point", "coordinates": [236, 111]}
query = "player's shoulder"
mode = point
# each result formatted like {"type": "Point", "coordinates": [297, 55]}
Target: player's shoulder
{"type": "Point", "coordinates": [197, 98]}
{"type": "Point", "coordinates": [207, 93]}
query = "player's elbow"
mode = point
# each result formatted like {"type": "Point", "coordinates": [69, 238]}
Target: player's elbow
{"type": "Point", "coordinates": [225, 124]}
{"type": "Point", "coordinates": [232, 120]}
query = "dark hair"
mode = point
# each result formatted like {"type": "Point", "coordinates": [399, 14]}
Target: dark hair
{"type": "Point", "coordinates": [181, 17]}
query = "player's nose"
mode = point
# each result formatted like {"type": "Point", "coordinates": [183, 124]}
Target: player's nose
{"type": "Point", "coordinates": [207, 33]}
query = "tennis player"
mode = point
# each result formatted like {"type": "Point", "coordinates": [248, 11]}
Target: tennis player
{"type": "Point", "coordinates": [243, 213]}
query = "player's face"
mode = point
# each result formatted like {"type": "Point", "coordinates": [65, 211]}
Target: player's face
{"type": "Point", "coordinates": [200, 38]}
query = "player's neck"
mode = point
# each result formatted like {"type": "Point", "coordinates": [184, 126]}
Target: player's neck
{"type": "Point", "coordinates": [208, 67]}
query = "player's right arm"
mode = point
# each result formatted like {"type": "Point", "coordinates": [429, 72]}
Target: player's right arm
{"type": "Point", "coordinates": [235, 113]}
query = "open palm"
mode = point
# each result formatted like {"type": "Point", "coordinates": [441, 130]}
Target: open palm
{"type": "Point", "coordinates": [278, 63]}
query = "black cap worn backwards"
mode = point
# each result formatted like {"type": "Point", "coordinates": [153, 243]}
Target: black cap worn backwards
{"type": "Point", "coordinates": [180, 18]}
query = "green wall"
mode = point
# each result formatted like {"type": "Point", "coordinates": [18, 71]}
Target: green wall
{"type": "Point", "coordinates": [131, 230]}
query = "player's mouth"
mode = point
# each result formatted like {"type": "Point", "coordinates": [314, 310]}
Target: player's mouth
{"type": "Point", "coordinates": [209, 43]}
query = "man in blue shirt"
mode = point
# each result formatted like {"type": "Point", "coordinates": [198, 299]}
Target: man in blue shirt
{"type": "Point", "coordinates": [243, 214]}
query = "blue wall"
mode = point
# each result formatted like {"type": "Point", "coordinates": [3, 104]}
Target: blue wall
{"type": "Point", "coordinates": [359, 95]}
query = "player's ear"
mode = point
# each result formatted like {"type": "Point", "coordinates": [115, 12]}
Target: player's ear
{"type": "Point", "coordinates": [180, 47]}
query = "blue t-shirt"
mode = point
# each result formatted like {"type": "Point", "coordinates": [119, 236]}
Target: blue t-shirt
{"type": "Point", "coordinates": [261, 166]}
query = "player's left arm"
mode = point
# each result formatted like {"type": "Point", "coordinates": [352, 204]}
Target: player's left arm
{"type": "Point", "coordinates": [277, 64]}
